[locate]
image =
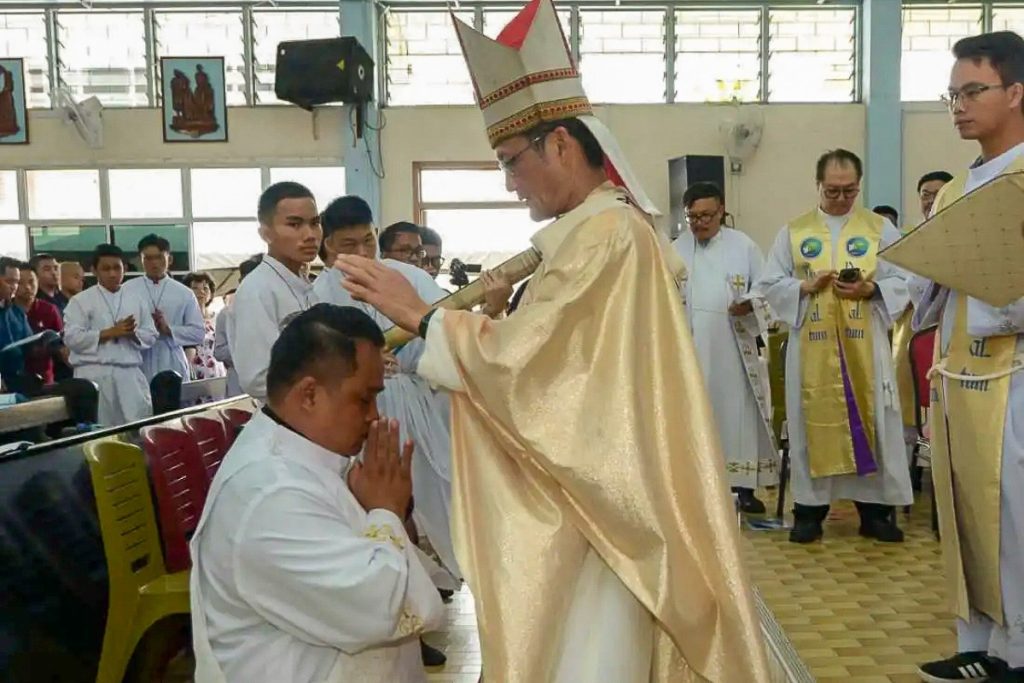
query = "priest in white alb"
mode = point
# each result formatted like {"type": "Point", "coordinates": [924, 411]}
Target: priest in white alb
{"type": "Point", "coordinates": [978, 449]}
{"type": "Point", "coordinates": [421, 411]}
{"type": "Point", "coordinates": [302, 571]}
{"type": "Point", "coordinates": [597, 535]}
{"type": "Point", "coordinates": [823, 278]}
{"type": "Point", "coordinates": [722, 264]}
{"type": "Point", "coordinates": [173, 308]}
{"type": "Point", "coordinates": [106, 329]}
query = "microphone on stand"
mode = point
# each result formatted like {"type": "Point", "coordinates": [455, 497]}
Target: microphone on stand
{"type": "Point", "coordinates": [459, 272]}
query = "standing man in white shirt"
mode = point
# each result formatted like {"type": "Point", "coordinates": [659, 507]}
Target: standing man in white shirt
{"type": "Point", "coordinates": [978, 449]}
{"type": "Point", "coordinates": [297, 576]}
{"type": "Point", "coordinates": [106, 329]}
{"type": "Point", "coordinates": [173, 308]}
{"type": "Point", "coordinates": [221, 348]}
{"type": "Point", "coordinates": [290, 225]}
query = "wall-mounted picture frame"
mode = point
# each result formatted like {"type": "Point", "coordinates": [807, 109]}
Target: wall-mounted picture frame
{"type": "Point", "coordinates": [193, 99]}
{"type": "Point", "coordinates": [13, 109]}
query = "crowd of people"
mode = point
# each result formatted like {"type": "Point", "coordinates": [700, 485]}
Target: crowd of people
{"type": "Point", "coordinates": [512, 447]}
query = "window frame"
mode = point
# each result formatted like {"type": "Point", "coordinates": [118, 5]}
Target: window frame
{"type": "Point", "coordinates": [186, 218]}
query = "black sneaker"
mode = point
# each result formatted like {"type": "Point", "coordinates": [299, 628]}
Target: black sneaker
{"type": "Point", "coordinates": [431, 655]}
{"type": "Point", "coordinates": [964, 666]}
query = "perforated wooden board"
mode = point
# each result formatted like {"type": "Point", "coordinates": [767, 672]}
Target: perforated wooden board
{"type": "Point", "coordinates": [975, 245]}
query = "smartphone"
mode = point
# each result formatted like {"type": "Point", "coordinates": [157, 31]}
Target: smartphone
{"type": "Point", "coordinates": [849, 275]}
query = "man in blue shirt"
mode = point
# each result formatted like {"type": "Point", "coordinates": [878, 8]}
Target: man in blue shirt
{"type": "Point", "coordinates": [13, 322]}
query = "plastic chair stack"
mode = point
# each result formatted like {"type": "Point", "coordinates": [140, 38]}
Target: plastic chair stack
{"type": "Point", "coordinates": [142, 592]}
{"type": "Point", "coordinates": [180, 484]}
{"type": "Point", "coordinates": [211, 439]}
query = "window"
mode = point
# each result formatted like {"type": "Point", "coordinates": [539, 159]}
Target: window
{"type": "Point", "coordinates": [718, 56]}
{"type": "Point", "coordinates": [225, 244]}
{"type": "Point", "coordinates": [1008, 19]}
{"type": "Point", "coordinates": [325, 182]}
{"type": "Point", "coordinates": [67, 242]}
{"type": "Point", "coordinates": [225, 192]}
{"type": "Point", "coordinates": [811, 55]}
{"type": "Point", "coordinates": [58, 195]}
{"type": "Point", "coordinates": [128, 236]}
{"type": "Point", "coordinates": [622, 56]}
{"type": "Point", "coordinates": [145, 193]}
{"type": "Point", "coordinates": [478, 220]}
{"type": "Point", "coordinates": [104, 54]}
{"type": "Point", "coordinates": [272, 27]}
{"type": "Point", "coordinates": [424, 60]}
{"type": "Point", "coordinates": [9, 196]}
{"type": "Point", "coordinates": [23, 34]}
{"type": "Point", "coordinates": [206, 34]}
{"type": "Point", "coordinates": [495, 21]}
{"type": "Point", "coordinates": [14, 241]}
{"type": "Point", "coordinates": [928, 36]}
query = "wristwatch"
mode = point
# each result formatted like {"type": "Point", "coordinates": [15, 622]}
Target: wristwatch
{"type": "Point", "coordinates": [425, 323]}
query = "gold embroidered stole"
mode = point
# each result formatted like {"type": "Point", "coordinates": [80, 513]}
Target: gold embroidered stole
{"type": "Point", "coordinates": [901, 334]}
{"type": "Point", "coordinates": [836, 330]}
{"type": "Point", "coordinates": [967, 452]}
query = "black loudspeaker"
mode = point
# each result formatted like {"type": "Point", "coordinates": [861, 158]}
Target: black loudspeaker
{"type": "Point", "coordinates": [685, 171]}
{"type": "Point", "coordinates": [312, 72]}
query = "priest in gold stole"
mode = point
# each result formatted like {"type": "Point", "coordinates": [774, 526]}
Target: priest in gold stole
{"type": "Point", "coordinates": [978, 450]}
{"type": "Point", "coordinates": [823, 279]}
{"type": "Point", "coordinates": [590, 510]}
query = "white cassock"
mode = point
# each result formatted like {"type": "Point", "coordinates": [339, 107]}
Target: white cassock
{"type": "Point", "coordinates": [222, 350]}
{"type": "Point", "coordinates": [891, 485]}
{"type": "Point", "coordinates": [181, 311]}
{"type": "Point", "coordinates": [114, 366]}
{"type": "Point", "coordinates": [728, 262]}
{"type": "Point", "coordinates": [931, 304]}
{"type": "Point", "coordinates": [268, 296]}
{"type": "Point", "coordinates": [422, 413]}
{"type": "Point", "coordinates": [292, 580]}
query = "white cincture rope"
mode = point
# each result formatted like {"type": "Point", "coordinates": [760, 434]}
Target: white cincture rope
{"type": "Point", "coordinates": [940, 369]}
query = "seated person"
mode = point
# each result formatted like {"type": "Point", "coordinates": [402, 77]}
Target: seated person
{"type": "Point", "coordinates": [42, 316]}
{"type": "Point", "coordinates": [14, 324]}
{"type": "Point", "coordinates": [297, 576]}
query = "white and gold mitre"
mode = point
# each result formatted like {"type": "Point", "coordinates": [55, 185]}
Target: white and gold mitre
{"type": "Point", "coordinates": [526, 76]}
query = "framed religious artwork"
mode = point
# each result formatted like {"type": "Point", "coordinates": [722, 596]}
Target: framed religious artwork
{"type": "Point", "coordinates": [193, 96]}
{"type": "Point", "coordinates": [13, 110]}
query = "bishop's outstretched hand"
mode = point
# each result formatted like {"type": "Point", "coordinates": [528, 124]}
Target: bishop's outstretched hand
{"type": "Point", "coordinates": [384, 288]}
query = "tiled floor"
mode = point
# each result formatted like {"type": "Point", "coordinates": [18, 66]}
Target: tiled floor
{"type": "Point", "coordinates": [857, 610]}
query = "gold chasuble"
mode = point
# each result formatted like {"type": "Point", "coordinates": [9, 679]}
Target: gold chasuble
{"type": "Point", "coordinates": [836, 355]}
{"type": "Point", "coordinates": [967, 450]}
{"type": "Point", "coordinates": [584, 423]}
{"type": "Point", "coordinates": [902, 332]}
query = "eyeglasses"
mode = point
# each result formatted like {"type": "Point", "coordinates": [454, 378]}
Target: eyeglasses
{"type": "Point", "coordinates": [692, 218]}
{"type": "Point", "coordinates": [969, 93]}
{"type": "Point", "coordinates": [434, 261]}
{"type": "Point", "coordinates": [508, 165]}
{"type": "Point", "coordinates": [409, 254]}
{"type": "Point", "coordinates": [836, 192]}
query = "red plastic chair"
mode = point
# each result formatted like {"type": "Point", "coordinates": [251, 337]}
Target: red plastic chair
{"type": "Point", "coordinates": [234, 420]}
{"type": "Point", "coordinates": [922, 355]}
{"type": "Point", "coordinates": [180, 484]}
{"type": "Point", "coordinates": [211, 439]}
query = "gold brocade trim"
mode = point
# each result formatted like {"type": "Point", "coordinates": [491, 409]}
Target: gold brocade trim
{"type": "Point", "coordinates": [384, 532]}
{"type": "Point", "coordinates": [525, 82]}
{"type": "Point", "coordinates": [409, 623]}
{"type": "Point", "coordinates": [522, 121]}
{"type": "Point", "coordinates": [749, 467]}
